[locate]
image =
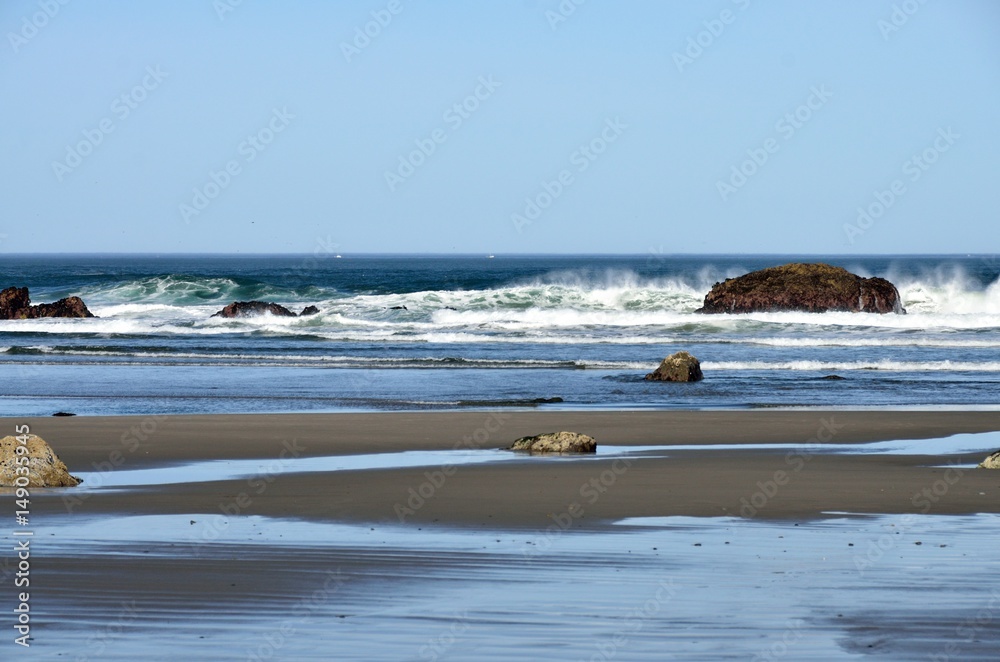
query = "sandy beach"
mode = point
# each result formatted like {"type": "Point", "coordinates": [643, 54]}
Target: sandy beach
{"type": "Point", "coordinates": [309, 536]}
{"type": "Point", "coordinates": [525, 493]}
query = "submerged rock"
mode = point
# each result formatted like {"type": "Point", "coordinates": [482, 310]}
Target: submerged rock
{"type": "Point", "coordinates": [991, 462]}
{"type": "Point", "coordinates": [309, 310]}
{"type": "Point", "coordinates": [253, 308]}
{"type": "Point", "coordinates": [812, 288]}
{"type": "Point", "coordinates": [45, 469]}
{"type": "Point", "coordinates": [678, 367]}
{"type": "Point", "coordinates": [15, 304]}
{"type": "Point", "coordinates": [556, 442]}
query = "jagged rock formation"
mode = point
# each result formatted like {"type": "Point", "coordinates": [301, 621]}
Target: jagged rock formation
{"type": "Point", "coordinates": [15, 304]}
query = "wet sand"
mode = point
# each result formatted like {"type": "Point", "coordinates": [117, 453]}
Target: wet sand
{"type": "Point", "coordinates": [527, 493]}
{"type": "Point", "coordinates": [518, 557]}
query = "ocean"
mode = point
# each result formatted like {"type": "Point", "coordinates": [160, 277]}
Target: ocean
{"type": "Point", "coordinates": [458, 332]}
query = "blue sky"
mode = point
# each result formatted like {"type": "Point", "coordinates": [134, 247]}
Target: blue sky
{"type": "Point", "coordinates": [527, 126]}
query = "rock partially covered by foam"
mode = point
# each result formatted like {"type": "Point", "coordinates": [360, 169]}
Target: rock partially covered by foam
{"type": "Point", "coordinates": [253, 309]}
{"type": "Point", "coordinates": [811, 288]}
{"type": "Point", "coordinates": [44, 468]}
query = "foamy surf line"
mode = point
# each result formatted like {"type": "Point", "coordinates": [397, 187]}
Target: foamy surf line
{"type": "Point", "coordinates": [344, 361]}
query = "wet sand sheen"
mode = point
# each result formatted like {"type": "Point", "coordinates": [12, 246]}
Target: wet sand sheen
{"type": "Point", "coordinates": [496, 563]}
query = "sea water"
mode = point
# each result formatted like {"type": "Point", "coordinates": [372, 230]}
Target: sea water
{"type": "Point", "coordinates": [448, 332]}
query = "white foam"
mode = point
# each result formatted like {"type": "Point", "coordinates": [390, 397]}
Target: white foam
{"type": "Point", "coordinates": [892, 366]}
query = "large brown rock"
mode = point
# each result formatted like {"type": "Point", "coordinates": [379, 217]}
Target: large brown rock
{"type": "Point", "coordinates": [813, 288]}
{"type": "Point", "coordinates": [252, 309]}
{"type": "Point", "coordinates": [15, 304]}
{"type": "Point", "coordinates": [678, 367]}
{"type": "Point", "coordinates": [45, 469]}
{"type": "Point", "coordinates": [556, 442]}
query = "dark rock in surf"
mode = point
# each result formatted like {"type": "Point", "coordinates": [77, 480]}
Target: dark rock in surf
{"type": "Point", "coordinates": [309, 310]}
{"type": "Point", "coordinates": [812, 288]}
{"type": "Point", "coordinates": [398, 308]}
{"type": "Point", "coordinates": [253, 309]}
{"type": "Point", "coordinates": [678, 367]}
{"type": "Point", "coordinates": [15, 304]}
{"type": "Point", "coordinates": [64, 413]}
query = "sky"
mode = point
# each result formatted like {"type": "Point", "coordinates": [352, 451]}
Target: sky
{"type": "Point", "coordinates": [500, 126]}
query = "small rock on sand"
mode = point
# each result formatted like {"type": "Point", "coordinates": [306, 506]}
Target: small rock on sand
{"type": "Point", "coordinates": [991, 462]}
{"type": "Point", "coordinates": [556, 442]}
